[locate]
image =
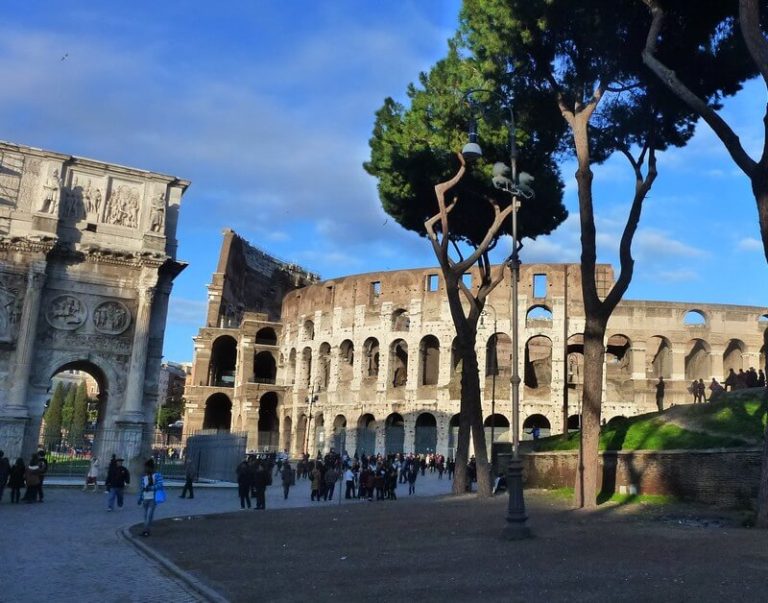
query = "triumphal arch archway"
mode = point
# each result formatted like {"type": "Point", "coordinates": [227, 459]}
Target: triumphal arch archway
{"type": "Point", "coordinates": [87, 261]}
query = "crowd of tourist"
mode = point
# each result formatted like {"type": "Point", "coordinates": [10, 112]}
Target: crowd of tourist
{"type": "Point", "coordinates": [19, 475]}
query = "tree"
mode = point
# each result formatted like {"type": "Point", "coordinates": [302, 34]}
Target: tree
{"type": "Point", "coordinates": [582, 57]}
{"type": "Point", "coordinates": [412, 151]}
{"type": "Point", "coordinates": [731, 42]}
{"type": "Point", "coordinates": [68, 411]}
{"type": "Point", "coordinates": [52, 433]}
{"type": "Point", "coordinates": [79, 415]}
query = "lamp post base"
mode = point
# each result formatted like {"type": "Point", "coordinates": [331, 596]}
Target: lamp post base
{"type": "Point", "coordinates": [516, 528]}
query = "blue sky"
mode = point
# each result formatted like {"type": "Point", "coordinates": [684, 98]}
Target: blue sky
{"type": "Point", "coordinates": [267, 107]}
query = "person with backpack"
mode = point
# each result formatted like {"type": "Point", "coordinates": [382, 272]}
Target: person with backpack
{"type": "Point", "coordinates": [151, 493]}
{"type": "Point", "coordinates": [117, 478]}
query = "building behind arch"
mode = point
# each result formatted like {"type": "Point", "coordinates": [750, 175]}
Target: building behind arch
{"type": "Point", "coordinates": [367, 362]}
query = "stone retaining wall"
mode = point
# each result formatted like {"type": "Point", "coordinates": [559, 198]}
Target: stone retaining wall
{"type": "Point", "coordinates": [723, 477]}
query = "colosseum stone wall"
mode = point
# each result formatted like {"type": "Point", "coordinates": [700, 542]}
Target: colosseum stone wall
{"type": "Point", "coordinates": [365, 362]}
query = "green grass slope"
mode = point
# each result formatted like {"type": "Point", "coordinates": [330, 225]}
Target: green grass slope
{"type": "Point", "coordinates": [735, 420]}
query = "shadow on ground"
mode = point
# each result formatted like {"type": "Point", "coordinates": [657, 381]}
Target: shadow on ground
{"type": "Point", "coordinates": [450, 549]}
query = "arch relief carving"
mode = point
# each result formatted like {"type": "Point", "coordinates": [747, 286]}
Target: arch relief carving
{"type": "Point", "coordinates": [111, 318]}
{"type": "Point", "coordinates": [66, 312]}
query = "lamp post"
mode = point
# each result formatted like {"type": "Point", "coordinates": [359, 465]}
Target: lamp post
{"type": "Point", "coordinates": [309, 417]}
{"type": "Point", "coordinates": [506, 178]}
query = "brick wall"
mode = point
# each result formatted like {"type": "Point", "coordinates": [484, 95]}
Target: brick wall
{"type": "Point", "coordinates": [724, 478]}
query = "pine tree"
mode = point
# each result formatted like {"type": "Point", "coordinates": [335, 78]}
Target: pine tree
{"type": "Point", "coordinates": [79, 416]}
{"type": "Point", "coordinates": [68, 411]}
{"type": "Point", "coordinates": [52, 434]}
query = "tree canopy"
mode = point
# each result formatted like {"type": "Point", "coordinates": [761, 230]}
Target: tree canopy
{"type": "Point", "coordinates": [415, 147]}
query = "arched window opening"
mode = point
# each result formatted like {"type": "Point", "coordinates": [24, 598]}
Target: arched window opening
{"type": "Point", "coordinates": [371, 352]}
{"type": "Point", "coordinates": [221, 371]}
{"type": "Point", "coordinates": [496, 428]}
{"type": "Point", "coordinates": [533, 422]}
{"type": "Point", "coordinates": [266, 336]}
{"type": "Point", "coordinates": [319, 434]}
{"type": "Point", "coordinates": [574, 423]}
{"type": "Point", "coordinates": [394, 434]}
{"type": "Point", "coordinates": [697, 361]}
{"type": "Point", "coordinates": [399, 363]}
{"type": "Point", "coordinates": [425, 441]}
{"type": "Point", "coordinates": [218, 413]}
{"type": "Point", "coordinates": [346, 361]}
{"type": "Point", "coordinates": [324, 365]}
{"type": "Point", "coordinates": [538, 316]}
{"type": "Point", "coordinates": [538, 362]}
{"type": "Point", "coordinates": [287, 426]}
{"type": "Point", "coordinates": [429, 351]}
{"type": "Point", "coordinates": [660, 355]}
{"type": "Point", "coordinates": [453, 435]}
{"type": "Point", "coordinates": [264, 368]}
{"type": "Point", "coordinates": [339, 443]}
{"type": "Point", "coordinates": [366, 435]}
{"type": "Point", "coordinates": [695, 318]}
{"type": "Point", "coordinates": [292, 367]}
{"type": "Point", "coordinates": [733, 357]}
{"type": "Point", "coordinates": [306, 367]}
{"type": "Point", "coordinates": [618, 358]}
{"type": "Point", "coordinates": [575, 360]}
{"type": "Point", "coordinates": [309, 330]}
{"type": "Point", "coordinates": [269, 424]}
{"type": "Point", "coordinates": [401, 321]}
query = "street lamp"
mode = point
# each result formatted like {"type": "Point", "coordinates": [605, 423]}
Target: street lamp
{"type": "Point", "coordinates": [309, 417]}
{"type": "Point", "coordinates": [507, 179]}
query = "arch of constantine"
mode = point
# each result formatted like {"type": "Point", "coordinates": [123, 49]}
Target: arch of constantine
{"type": "Point", "coordinates": [87, 261]}
{"type": "Point", "coordinates": [365, 362]}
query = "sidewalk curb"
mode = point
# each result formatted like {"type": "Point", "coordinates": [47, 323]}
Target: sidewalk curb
{"type": "Point", "coordinates": [188, 579]}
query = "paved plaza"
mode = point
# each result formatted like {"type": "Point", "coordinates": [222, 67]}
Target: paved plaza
{"type": "Point", "coordinates": [69, 548]}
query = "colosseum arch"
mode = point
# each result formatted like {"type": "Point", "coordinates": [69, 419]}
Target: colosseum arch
{"type": "Point", "coordinates": [695, 318]}
{"type": "Point", "coordinates": [575, 358]}
{"type": "Point", "coordinates": [339, 442]}
{"type": "Point", "coordinates": [291, 377]}
{"type": "Point", "coordinates": [266, 336]}
{"type": "Point", "coordinates": [366, 434]}
{"type": "Point", "coordinates": [319, 433]}
{"type": "Point", "coordinates": [306, 367]}
{"type": "Point", "coordinates": [371, 355]}
{"type": "Point", "coordinates": [659, 354]}
{"type": "Point", "coordinates": [401, 320]}
{"type": "Point", "coordinates": [425, 436]}
{"type": "Point", "coordinates": [398, 363]}
{"type": "Point", "coordinates": [324, 365]}
{"type": "Point", "coordinates": [499, 425]}
{"type": "Point", "coordinates": [733, 356]}
{"type": "Point", "coordinates": [394, 434]}
{"type": "Point", "coordinates": [536, 420]}
{"type": "Point", "coordinates": [538, 316]}
{"type": "Point", "coordinates": [618, 358]}
{"type": "Point", "coordinates": [453, 435]}
{"type": "Point", "coordinates": [429, 360]}
{"type": "Point", "coordinates": [308, 330]}
{"type": "Point", "coordinates": [537, 374]}
{"type": "Point", "coordinates": [269, 423]}
{"type": "Point", "coordinates": [287, 427]}
{"type": "Point", "coordinates": [218, 413]}
{"type": "Point", "coordinates": [264, 368]}
{"type": "Point", "coordinates": [223, 364]}
{"type": "Point", "coordinates": [346, 361]}
{"type": "Point", "coordinates": [698, 363]}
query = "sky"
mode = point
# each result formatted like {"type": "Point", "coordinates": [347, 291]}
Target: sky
{"type": "Point", "coordinates": [267, 107]}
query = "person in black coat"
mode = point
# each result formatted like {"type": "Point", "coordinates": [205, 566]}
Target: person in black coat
{"type": "Point", "coordinates": [244, 482]}
{"type": "Point", "coordinates": [16, 480]}
{"type": "Point", "coordinates": [260, 479]}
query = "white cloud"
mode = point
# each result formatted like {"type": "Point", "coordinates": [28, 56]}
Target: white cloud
{"type": "Point", "coordinates": [676, 276]}
{"type": "Point", "coordinates": [750, 244]}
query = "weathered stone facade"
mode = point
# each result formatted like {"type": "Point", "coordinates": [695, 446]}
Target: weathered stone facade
{"type": "Point", "coordinates": [87, 261]}
{"type": "Point", "coordinates": [365, 362]}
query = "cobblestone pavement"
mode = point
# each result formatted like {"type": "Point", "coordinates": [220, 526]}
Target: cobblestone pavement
{"type": "Point", "coordinates": [69, 548]}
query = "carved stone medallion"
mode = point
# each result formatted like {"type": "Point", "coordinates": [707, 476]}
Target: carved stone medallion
{"type": "Point", "coordinates": [66, 312]}
{"type": "Point", "coordinates": [111, 317]}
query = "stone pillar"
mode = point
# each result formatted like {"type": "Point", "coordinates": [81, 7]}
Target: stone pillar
{"type": "Point", "coordinates": [351, 439]}
{"type": "Point", "coordinates": [678, 363]}
{"type": "Point", "coordinates": [17, 435]}
{"type": "Point", "coordinates": [442, 435]}
{"type": "Point", "coordinates": [716, 363]}
{"type": "Point", "coordinates": [638, 361]}
{"type": "Point", "coordinates": [25, 344]}
{"type": "Point", "coordinates": [409, 427]}
{"type": "Point", "coordinates": [133, 403]}
{"type": "Point", "coordinates": [380, 437]}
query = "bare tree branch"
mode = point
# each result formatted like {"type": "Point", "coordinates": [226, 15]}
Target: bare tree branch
{"type": "Point", "coordinates": [757, 45]}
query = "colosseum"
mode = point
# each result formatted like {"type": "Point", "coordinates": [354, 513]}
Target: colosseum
{"type": "Point", "coordinates": [365, 363]}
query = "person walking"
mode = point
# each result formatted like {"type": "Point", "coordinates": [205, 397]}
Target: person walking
{"type": "Point", "coordinates": [349, 479]}
{"type": "Point", "coordinates": [117, 478]}
{"type": "Point", "coordinates": [331, 477]}
{"type": "Point", "coordinates": [189, 477]}
{"type": "Point", "coordinates": [660, 387]}
{"type": "Point", "coordinates": [32, 479]}
{"type": "Point", "coordinates": [316, 476]}
{"type": "Point", "coordinates": [5, 471]}
{"type": "Point", "coordinates": [43, 464]}
{"type": "Point", "coordinates": [413, 473]}
{"type": "Point", "coordinates": [16, 479]}
{"type": "Point", "coordinates": [91, 478]}
{"type": "Point", "coordinates": [244, 483]}
{"type": "Point", "coordinates": [151, 492]}
{"type": "Point", "coordinates": [260, 479]}
{"type": "Point", "coordinates": [288, 476]}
